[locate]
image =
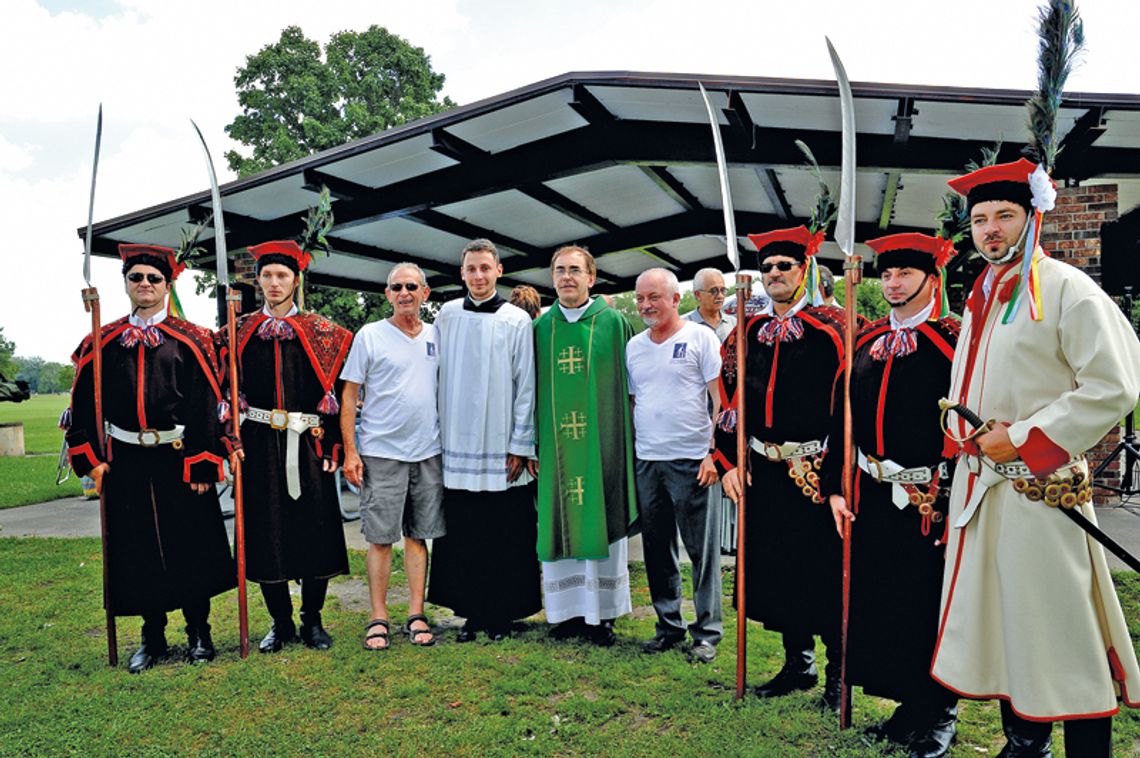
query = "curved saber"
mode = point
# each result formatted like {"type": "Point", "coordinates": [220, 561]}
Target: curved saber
{"type": "Point", "coordinates": [228, 299]}
{"type": "Point", "coordinates": [845, 237]}
{"type": "Point", "coordinates": [222, 261]}
{"type": "Point", "coordinates": [91, 201]}
{"type": "Point", "coordinates": [845, 225]}
{"type": "Point", "coordinates": [725, 188]}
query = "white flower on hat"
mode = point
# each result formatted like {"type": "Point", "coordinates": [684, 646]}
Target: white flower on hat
{"type": "Point", "coordinates": [1042, 189]}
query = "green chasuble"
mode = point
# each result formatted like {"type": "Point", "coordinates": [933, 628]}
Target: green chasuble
{"type": "Point", "coordinates": [585, 437]}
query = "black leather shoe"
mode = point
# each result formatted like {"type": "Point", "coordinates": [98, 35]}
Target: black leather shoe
{"type": "Point", "coordinates": [312, 633]}
{"type": "Point", "coordinates": [934, 741]}
{"type": "Point", "coordinates": [152, 648]}
{"type": "Point", "coordinates": [787, 681]}
{"type": "Point", "coordinates": [1025, 738]}
{"type": "Point", "coordinates": [200, 648]}
{"type": "Point", "coordinates": [498, 632]}
{"type": "Point", "coordinates": [575, 627]}
{"type": "Point", "coordinates": [468, 633]}
{"type": "Point", "coordinates": [603, 634]}
{"type": "Point", "coordinates": [662, 642]}
{"type": "Point", "coordinates": [277, 637]}
{"type": "Point", "coordinates": [831, 695]}
{"type": "Point", "coordinates": [898, 729]}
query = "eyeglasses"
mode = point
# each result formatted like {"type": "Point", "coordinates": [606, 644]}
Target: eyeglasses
{"type": "Point", "coordinates": [714, 291]}
{"type": "Point", "coordinates": [781, 266]}
{"type": "Point", "coordinates": [400, 286]}
{"type": "Point", "coordinates": [573, 271]}
{"type": "Point", "coordinates": [152, 278]}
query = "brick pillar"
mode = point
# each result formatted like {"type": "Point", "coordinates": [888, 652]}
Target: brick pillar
{"type": "Point", "coordinates": [1072, 234]}
{"type": "Point", "coordinates": [245, 272]}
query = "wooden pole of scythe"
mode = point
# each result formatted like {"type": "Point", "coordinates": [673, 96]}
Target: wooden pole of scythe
{"type": "Point", "coordinates": [91, 305]}
{"type": "Point", "coordinates": [852, 275]}
{"type": "Point", "coordinates": [233, 300]}
{"type": "Point", "coordinates": [743, 292]}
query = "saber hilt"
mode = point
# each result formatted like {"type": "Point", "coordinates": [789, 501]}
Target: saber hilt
{"type": "Point", "coordinates": [980, 427]}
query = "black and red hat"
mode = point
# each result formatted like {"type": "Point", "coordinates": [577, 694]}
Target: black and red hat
{"type": "Point", "coordinates": [285, 252]}
{"type": "Point", "coordinates": [165, 259]}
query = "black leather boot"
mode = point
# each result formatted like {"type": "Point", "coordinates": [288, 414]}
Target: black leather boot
{"type": "Point", "coordinates": [831, 693]}
{"type": "Point", "coordinates": [200, 648]}
{"type": "Point", "coordinates": [1089, 737]}
{"type": "Point", "coordinates": [933, 738]}
{"type": "Point", "coordinates": [312, 633]}
{"type": "Point", "coordinates": [898, 729]}
{"type": "Point", "coordinates": [602, 634]}
{"type": "Point", "coordinates": [1024, 738]}
{"type": "Point", "coordinates": [281, 632]}
{"type": "Point", "coordinates": [152, 644]}
{"type": "Point", "coordinates": [799, 671]}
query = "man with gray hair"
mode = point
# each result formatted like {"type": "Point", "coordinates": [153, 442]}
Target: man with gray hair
{"type": "Point", "coordinates": [396, 461]}
{"type": "Point", "coordinates": [673, 370]}
{"type": "Point", "coordinates": [710, 291]}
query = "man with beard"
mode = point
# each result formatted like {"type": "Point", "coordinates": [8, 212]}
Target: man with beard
{"type": "Point", "coordinates": [794, 354]}
{"type": "Point", "coordinates": [485, 568]}
{"type": "Point", "coordinates": [166, 543]}
{"type": "Point", "coordinates": [288, 363]}
{"type": "Point", "coordinates": [901, 368]}
{"type": "Point", "coordinates": [1029, 613]}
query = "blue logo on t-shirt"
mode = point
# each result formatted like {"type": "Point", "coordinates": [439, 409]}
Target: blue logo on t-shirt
{"type": "Point", "coordinates": [431, 349]}
{"type": "Point", "coordinates": [679, 350]}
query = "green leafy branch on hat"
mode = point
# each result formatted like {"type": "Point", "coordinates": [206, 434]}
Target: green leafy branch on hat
{"type": "Point", "coordinates": [953, 218]}
{"type": "Point", "coordinates": [1062, 38]}
{"type": "Point", "coordinates": [188, 249]}
{"type": "Point", "coordinates": [318, 224]}
{"type": "Point", "coordinates": [825, 209]}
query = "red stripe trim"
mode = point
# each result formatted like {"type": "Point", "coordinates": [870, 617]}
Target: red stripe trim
{"type": "Point", "coordinates": [771, 391]}
{"type": "Point", "coordinates": [826, 328]}
{"type": "Point", "coordinates": [939, 341]}
{"type": "Point", "coordinates": [86, 358]}
{"type": "Point", "coordinates": [1027, 717]}
{"type": "Point", "coordinates": [718, 457]}
{"type": "Point", "coordinates": [1120, 677]}
{"type": "Point", "coordinates": [207, 369]}
{"type": "Point", "coordinates": [84, 450]}
{"type": "Point", "coordinates": [326, 380]}
{"type": "Point", "coordinates": [140, 388]}
{"type": "Point", "coordinates": [1041, 454]}
{"type": "Point", "coordinates": [868, 336]}
{"type": "Point", "coordinates": [278, 390]}
{"type": "Point", "coordinates": [953, 582]}
{"type": "Point", "coordinates": [881, 406]}
{"type": "Point", "coordinates": [199, 458]}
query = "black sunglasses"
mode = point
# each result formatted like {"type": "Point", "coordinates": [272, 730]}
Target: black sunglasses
{"type": "Point", "coordinates": [400, 286]}
{"type": "Point", "coordinates": [782, 266]}
{"type": "Point", "coordinates": [152, 278]}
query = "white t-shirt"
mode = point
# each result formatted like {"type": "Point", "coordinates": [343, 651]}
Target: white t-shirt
{"type": "Point", "coordinates": [400, 376]}
{"type": "Point", "coordinates": [669, 382]}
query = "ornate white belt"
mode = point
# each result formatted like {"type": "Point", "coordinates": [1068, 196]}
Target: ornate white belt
{"type": "Point", "coordinates": [296, 424]}
{"type": "Point", "coordinates": [886, 470]}
{"type": "Point", "coordinates": [775, 452]}
{"type": "Point", "coordinates": [147, 437]}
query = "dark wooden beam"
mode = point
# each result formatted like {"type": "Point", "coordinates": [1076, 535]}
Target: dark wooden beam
{"type": "Point", "coordinates": [1073, 153]}
{"type": "Point", "coordinates": [568, 207]}
{"type": "Point", "coordinates": [341, 189]}
{"type": "Point", "coordinates": [456, 148]}
{"type": "Point", "coordinates": [672, 186]}
{"type": "Point", "coordinates": [771, 184]}
{"type": "Point", "coordinates": [903, 119]}
{"type": "Point", "coordinates": [469, 231]}
{"type": "Point", "coordinates": [589, 107]}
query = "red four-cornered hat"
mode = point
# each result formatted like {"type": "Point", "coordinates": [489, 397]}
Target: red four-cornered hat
{"type": "Point", "coordinates": [132, 254]}
{"type": "Point", "coordinates": [797, 235]}
{"type": "Point", "coordinates": [1017, 172]}
{"type": "Point", "coordinates": [288, 248]}
{"type": "Point", "coordinates": [940, 248]}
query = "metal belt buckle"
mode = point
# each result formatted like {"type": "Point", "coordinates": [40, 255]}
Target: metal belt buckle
{"type": "Point", "coordinates": [772, 452]}
{"type": "Point", "coordinates": [279, 419]}
{"type": "Point", "coordinates": [145, 436]}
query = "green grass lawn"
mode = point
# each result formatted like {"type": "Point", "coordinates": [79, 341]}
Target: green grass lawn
{"type": "Point", "coordinates": [31, 479]}
{"type": "Point", "coordinates": [525, 696]}
{"type": "Point", "coordinates": [40, 417]}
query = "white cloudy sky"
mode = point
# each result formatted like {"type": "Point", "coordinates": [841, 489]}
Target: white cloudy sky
{"type": "Point", "coordinates": [154, 64]}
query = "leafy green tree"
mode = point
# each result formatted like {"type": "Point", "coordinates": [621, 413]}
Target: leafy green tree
{"type": "Point", "coordinates": [7, 351]}
{"type": "Point", "coordinates": [296, 102]}
{"type": "Point", "coordinates": [351, 310]}
{"type": "Point", "coordinates": [28, 369]}
{"type": "Point", "coordinates": [869, 298]}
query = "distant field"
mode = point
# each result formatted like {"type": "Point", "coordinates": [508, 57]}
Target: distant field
{"type": "Point", "coordinates": [40, 417]}
{"type": "Point", "coordinates": [31, 479]}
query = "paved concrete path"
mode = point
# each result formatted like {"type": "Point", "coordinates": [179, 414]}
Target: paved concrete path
{"type": "Point", "coordinates": [76, 517]}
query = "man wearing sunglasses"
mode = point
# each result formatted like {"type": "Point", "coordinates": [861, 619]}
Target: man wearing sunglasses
{"type": "Point", "coordinates": [396, 460]}
{"type": "Point", "coordinates": [166, 542]}
{"type": "Point", "coordinates": [486, 414]}
{"type": "Point", "coordinates": [289, 363]}
{"type": "Point", "coordinates": [794, 353]}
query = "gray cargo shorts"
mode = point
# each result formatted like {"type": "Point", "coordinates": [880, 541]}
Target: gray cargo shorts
{"type": "Point", "coordinates": [401, 496]}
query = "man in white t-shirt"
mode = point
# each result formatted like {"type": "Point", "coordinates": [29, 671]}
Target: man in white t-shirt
{"type": "Point", "coordinates": [396, 459]}
{"type": "Point", "coordinates": [673, 370]}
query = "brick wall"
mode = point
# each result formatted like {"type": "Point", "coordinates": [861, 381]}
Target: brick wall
{"type": "Point", "coordinates": [1072, 234]}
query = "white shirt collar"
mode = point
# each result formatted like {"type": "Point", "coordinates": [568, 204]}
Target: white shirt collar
{"type": "Point", "coordinates": [292, 311]}
{"type": "Point", "coordinates": [573, 314]}
{"type": "Point", "coordinates": [157, 318]}
{"type": "Point", "coordinates": [913, 321]}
